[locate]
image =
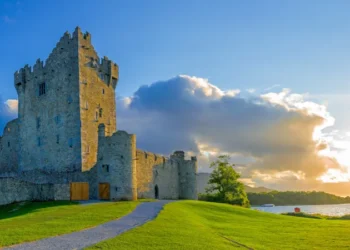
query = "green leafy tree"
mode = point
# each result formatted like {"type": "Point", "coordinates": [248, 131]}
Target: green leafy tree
{"type": "Point", "coordinates": [224, 185]}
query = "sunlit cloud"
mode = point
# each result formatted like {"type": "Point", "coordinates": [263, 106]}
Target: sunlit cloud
{"type": "Point", "coordinates": [276, 139]}
{"type": "Point", "coordinates": [12, 105]}
{"type": "Point", "coordinates": [277, 136]}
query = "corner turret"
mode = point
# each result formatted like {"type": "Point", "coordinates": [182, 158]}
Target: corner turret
{"type": "Point", "coordinates": [187, 175]}
{"type": "Point", "coordinates": [180, 155]}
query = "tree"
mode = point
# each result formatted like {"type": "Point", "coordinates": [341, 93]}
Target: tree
{"type": "Point", "coordinates": [224, 185]}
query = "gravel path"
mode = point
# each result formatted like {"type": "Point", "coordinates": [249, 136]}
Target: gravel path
{"type": "Point", "coordinates": [78, 240]}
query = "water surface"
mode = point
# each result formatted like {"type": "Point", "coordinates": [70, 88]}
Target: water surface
{"type": "Point", "coordinates": [334, 210]}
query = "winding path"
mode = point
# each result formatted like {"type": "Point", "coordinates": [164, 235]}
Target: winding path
{"type": "Point", "coordinates": [143, 213]}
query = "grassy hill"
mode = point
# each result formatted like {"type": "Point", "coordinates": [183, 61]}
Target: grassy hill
{"type": "Point", "coordinates": [203, 225]}
{"type": "Point", "coordinates": [181, 225]}
{"type": "Point", "coordinates": [32, 221]}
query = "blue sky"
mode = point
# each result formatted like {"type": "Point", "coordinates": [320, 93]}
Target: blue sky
{"type": "Point", "coordinates": [303, 45]}
{"type": "Point", "coordinates": [300, 45]}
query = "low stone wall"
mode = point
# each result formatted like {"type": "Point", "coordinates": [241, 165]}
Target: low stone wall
{"type": "Point", "coordinates": [15, 190]}
{"type": "Point", "coordinates": [145, 164]}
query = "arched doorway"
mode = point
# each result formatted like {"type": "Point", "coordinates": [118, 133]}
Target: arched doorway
{"type": "Point", "coordinates": [156, 192]}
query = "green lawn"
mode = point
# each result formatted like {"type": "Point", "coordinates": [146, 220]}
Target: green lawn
{"type": "Point", "coordinates": [37, 220]}
{"type": "Point", "coordinates": [202, 225]}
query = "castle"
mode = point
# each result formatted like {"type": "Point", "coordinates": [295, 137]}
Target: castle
{"type": "Point", "coordinates": [65, 143]}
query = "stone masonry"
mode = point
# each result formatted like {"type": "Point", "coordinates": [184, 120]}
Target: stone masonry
{"type": "Point", "coordinates": [66, 132]}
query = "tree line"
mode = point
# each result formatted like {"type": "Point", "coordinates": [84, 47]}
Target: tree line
{"type": "Point", "coordinates": [224, 186]}
{"type": "Point", "coordinates": [295, 198]}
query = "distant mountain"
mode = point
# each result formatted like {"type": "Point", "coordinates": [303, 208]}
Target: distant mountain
{"type": "Point", "coordinates": [203, 178]}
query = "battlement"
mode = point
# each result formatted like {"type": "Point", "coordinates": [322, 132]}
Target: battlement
{"type": "Point", "coordinates": [180, 155]}
{"type": "Point", "coordinates": [148, 155]}
{"type": "Point", "coordinates": [106, 69]}
{"type": "Point", "coordinates": [66, 49]}
{"type": "Point", "coordinates": [110, 71]}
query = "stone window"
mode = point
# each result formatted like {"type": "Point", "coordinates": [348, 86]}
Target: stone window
{"type": "Point", "coordinates": [96, 116]}
{"type": "Point", "coordinates": [106, 168]}
{"type": "Point", "coordinates": [103, 91]}
{"type": "Point", "coordinates": [70, 142]}
{"type": "Point", "coordinates": [100, 112]}
{"type": "Point", "coordinates": [58, 139]}
{"type": "Point", "coordinates": [8, 144]}
{"type": "Point", "coordinates": [42, 88]}
{"type": "Point", "coordinates": [39, 141]}
{"type": "Point", "coordinates": [38, 122]}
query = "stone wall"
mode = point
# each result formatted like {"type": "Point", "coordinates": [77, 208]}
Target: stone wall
{"type": "Point", "coordinates": [166, 178]}
{"type": "Point", "coordinates": [117, 164]}
{"type": "Point", "coordinates": [98, 79]}
{"type": "Point", "coordinates": [187, 175]}
{"type": "Point", "coordinates": [9, 148]}
{"type": "Point", "coordinates": [174, 177]}
{"type": "Point", "coordinates": [50, 121]}
{"type": "Point", "coordinates": [66, 132]}
{"type": "Point", "coordinates": [146, 162]}
{"type": "Point", "coordinates": [15, 190]}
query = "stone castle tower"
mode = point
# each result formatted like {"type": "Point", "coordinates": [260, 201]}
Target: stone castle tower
{"type": "Point", "coordinates": [62, 103]}
{"type": "Point", "coordinates": [66, 134]}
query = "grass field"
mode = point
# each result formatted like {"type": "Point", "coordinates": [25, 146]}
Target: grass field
{"type": "Point", "coordinates": [32, 221]}
{"type": "Point", "coordinates": [201, 225]}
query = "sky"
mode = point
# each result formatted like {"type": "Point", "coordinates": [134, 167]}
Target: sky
{"type": "Point", "coordinates": [266, 82]}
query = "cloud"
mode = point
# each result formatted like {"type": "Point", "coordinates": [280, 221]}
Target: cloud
{"type": "Point", "coordinates": [8, 111]}
{"type": "Point", "coordinates": [12, 105]}
{"type": "Point", "coordinates": [251, 90]}
{"type": "Point", "coordinates": [276, 139]}
{"type": "Point", "coordinates": [276, 134]}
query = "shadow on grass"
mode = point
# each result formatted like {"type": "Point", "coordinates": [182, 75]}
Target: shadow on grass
{"type": "Point", "coordinates": [22, 208]}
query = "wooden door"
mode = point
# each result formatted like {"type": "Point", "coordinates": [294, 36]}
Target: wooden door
{"type": "Point", "coordinates": [104, 191]}
{"type": "Point", "coordinates": [79, 191]}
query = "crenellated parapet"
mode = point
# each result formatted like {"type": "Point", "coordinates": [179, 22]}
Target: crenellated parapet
{"type": "Point", "coordinates": [61, 54]}
{"type": "Point", "coordinates": [66, 49]}
{"type": "Point", "coordinates": [144, 155]}
{"type": "Point", "coordinates": [110, 71]}
{"type": "Point", "coordinates": [106, 69]}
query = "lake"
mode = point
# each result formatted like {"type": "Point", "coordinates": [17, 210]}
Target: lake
{"type": "Point", "coordinates": [334, 210]}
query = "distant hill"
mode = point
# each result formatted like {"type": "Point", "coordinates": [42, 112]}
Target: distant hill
{"type": "Point", "coordinates": [203, 178]}
{"type": "Point", "coordinates": [296, 198]}
{"type": "Point", "coordinates": [249, 189]}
